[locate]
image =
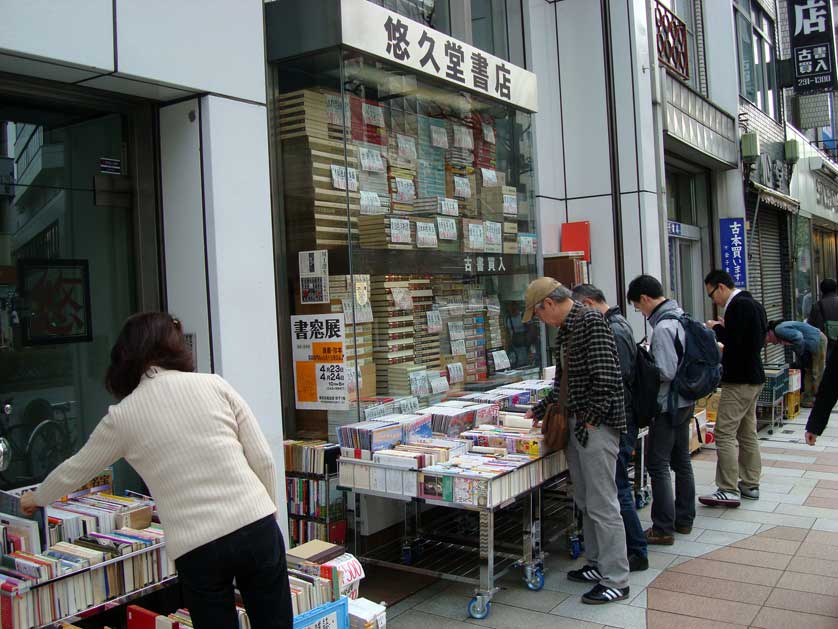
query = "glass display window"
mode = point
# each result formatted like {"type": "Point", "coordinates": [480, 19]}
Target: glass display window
{"type": "Point", "coordinates": [407, 210]}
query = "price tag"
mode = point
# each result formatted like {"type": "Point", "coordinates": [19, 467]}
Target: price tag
{"type": "Point", "coordinates": [490, 177]}
{"type": "Point", "coordinates": [340, 176]}
{"type": "Point", "coordinates": [439, 384]}
{"type": "Point", "coordinates": [447, 228]}
{"type": "Point", "coordinates": [526, 244]}
{"type": "Point", "coordinates": [400, 231]}
{"type": "Point", "coordinates": [439, 137]}
{"type": "Point", "coordinates": [456, 331]}
{"type": "Point", "coordinates": [353, 378]}
{"type": "Point", "coordinates": [402, 298]}
{"type": "Point", "coordinates": [371, 161]}
{"type": "Point", "coordinates": [475, 236]}
{"type": "Point", "coordinates": [407, 146]}
{"type": "Point", "coordinates": [361, 313]}
{"type": "Point", "coordinates": [462, 187]}
{"type": "Point", "coordinates": [455, 372]}
{"type": "Point", "coordinates": [419, 384]}
{"type": "Point", "coordinates": [409, 405]}
{"type": "Point", "coordinates": [501, 360]}
{"type": "Point", "coordinates": [434, 321]}
{"type": "Point", "coordinates": [373, 115]}
{"type": "Point", "coordinates": [493, 232]}
{"type": "Point", "coordinates": [447, 206]}
{"type": "Point", "coordinates": [371, 203]}
{"type": "Point", "coordinates": [488, 133]}
{"type": "Point", "coordinates": [405, 190]}
{"type": "Point", "coordinates": [426, 235]}
{"type": "Point", "coordinates": [463, 138]}
{"type": "Point", "coordinates": [510, 205]}
{"type": "Point", "coordinates": [337, 114]}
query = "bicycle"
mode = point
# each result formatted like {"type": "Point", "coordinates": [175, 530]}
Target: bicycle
{"type": "Point", "coordinates": [36, 445]}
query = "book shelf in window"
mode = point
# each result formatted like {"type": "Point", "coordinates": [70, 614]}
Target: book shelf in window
{"type": "Point", "coordinates": [327, 521]}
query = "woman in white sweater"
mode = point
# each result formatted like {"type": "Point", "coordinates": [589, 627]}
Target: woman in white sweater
{"type": "Point", "coordinates": [206, 462]}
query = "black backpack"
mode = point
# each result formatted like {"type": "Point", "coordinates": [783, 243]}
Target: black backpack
{"type": "Point", "coordinates": [699, 364]}
{"type": "Point", "coordinates": [645, 388]}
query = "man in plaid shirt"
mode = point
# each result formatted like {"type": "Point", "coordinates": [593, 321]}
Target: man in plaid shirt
{"type": "Point", "coordinates": [596, 414]}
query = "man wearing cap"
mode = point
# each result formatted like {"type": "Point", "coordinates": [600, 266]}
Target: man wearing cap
{"type": "Point", "coordinates": [596, 414]}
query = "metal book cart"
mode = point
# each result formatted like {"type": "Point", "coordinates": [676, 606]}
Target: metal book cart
{"type": "Point", "coordinates": [97, 608]}
{"type": "Point", "coordinates": [773, 394]}
{"type": "Point", "coordinates": [469, 543]}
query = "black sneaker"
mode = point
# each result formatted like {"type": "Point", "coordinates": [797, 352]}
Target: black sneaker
{"type": "Point", "coordinates": [585, 574]}
{"type": "Point", "coordinates": [637, 563]}
{"type": "Point", "coordinates": [599, 595]}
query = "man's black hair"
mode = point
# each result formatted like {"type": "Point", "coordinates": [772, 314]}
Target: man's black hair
{"type": "Point", "coordinates": [717, 276]}
{"type": "Point", "coordinates": [588, 291]}
{"type": "Point", "coordinates": [644, 285]}
{"type": "Point", "coordinates": [829, 286]}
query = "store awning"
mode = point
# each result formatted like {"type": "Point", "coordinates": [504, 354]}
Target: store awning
{"type": "Point", "coordinates": [776, 199]}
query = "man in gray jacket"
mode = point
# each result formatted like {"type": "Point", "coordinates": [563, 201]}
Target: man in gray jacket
{"type": "Point", "coordinates": [669, 433]}
{"type": "Point", "coordinates": [636, 546]}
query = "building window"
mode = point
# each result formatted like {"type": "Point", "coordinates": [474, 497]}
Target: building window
{"type": "Point", "coordinates": [434, 13]}
{"type": "Point", "coordinates": [755, 45]}
{"type": "Point", "coordinates": [684, 10]}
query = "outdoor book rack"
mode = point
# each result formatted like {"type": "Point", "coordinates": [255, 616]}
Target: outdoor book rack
{"type": "Point", "coordinates": [468, 543]}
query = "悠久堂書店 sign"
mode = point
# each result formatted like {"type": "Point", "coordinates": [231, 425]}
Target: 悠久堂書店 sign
{"type": "Point", "coordinates": [812, 45]}
{"type": "Point", "coordinates": [386, 34]}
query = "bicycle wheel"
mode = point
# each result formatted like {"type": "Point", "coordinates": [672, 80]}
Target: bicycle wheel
{"type": "Point", "coordinates": [47, 447]}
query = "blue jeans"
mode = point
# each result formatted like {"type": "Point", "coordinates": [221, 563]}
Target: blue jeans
{"type": "Point", "coordinates": [635, 537]}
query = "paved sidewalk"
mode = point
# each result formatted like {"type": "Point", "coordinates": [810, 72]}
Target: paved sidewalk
{"type": "Point", "coordinates": [770, 563]}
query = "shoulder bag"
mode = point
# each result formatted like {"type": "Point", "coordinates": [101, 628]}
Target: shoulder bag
{"type": "Point", "coordinates": [555, 426]}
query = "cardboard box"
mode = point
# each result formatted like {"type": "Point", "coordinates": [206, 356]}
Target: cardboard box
{"type": "Point", "coordinates": [710, 404]}
{"type": "Point", "coordinates": [698, 430]}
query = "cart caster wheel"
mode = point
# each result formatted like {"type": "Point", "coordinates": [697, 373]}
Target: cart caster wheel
{"type": "Point", "coordinates": [537, 581]}
{"type": "Point", "coordinates": [477, 609]}
{"type": "Point", "coordinates": [770, 431]}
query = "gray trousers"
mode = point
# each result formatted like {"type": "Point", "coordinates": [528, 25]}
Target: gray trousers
{"type": "Point", "coordinates": [592, 470]}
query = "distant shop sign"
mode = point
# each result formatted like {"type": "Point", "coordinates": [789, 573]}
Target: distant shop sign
{"type": "Point", "coordinates": [812, 45]}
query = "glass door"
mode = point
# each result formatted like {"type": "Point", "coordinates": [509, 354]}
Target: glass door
{"type": "Point", "coordinates": [67, 282]}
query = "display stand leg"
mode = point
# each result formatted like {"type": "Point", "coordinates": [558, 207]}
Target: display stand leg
{"type": "Point", "coordinates": [480, 605]}
{"type": "Point", "coordinates": [533, 556]}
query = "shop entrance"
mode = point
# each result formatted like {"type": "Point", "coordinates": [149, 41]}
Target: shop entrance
{"type": "Point", "coordinates": [685, 267]}
{"type": "Point", "coordinates": [69, 277]}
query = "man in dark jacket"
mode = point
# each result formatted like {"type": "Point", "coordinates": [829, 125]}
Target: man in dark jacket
{"type": "Point", "coordinates": [742, 333]}
{"type": "Point", "coordinates": [591, 296]}
{"type": "Point", "coordinates": [824, 314]}
{"type": "Point", "coordinates": [825, 400]}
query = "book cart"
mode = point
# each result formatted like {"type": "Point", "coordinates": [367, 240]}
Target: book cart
{"type": "Point", "coordinates": [772, 398]}
{"type": "Point", "coordinates": [505, 531]}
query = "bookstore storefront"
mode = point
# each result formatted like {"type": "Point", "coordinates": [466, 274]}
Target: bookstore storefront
{"type": "Point", "coordinates": [407, 227]}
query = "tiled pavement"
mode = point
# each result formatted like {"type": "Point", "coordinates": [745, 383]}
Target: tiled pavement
{"type": "Point", "coordinates": [772, 563]}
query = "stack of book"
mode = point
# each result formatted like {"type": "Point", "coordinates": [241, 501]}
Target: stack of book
{"type": "Point", "coordinates": [385, 231]}
{"type": "Point", "coordinates": [512, 440]}
{"type": "Point", "coordinates": [312, 112]}
{"type": "Point", "coordinates": [362, 439]}
{"type": "Point", "coordinates": [485, 140]}
{"type": "Point", "coordinates": [350, 295]}
{"type": "Point", "coordinates": [364, 614]}
{"type": "Point", "coordinates": [141, 618]}
{"type": "Point", "coordinates": [474, 235]}
{"type": "Point", "coordinates": [432, 141]}
{"type": "Point", "coordinates": [402, 185]}
{"type": "Point", "coordinates": [424, 232]}
{"type": "Point", "coordinates": [311, 457]}
{"type": "Point", "coordinates": [392, 307]}
{"type": "Point", "coordinates": [414, 425]}
{"type": "Point", "coordinates": [427, 339]}
{"type": "Point", "coordinates": [474, 326]}
{"type": "Point", "coordinates": [409, 379]}
{"type": "Point", "coordinates": [461, 184]}
{"type": "Point", "coordinates": [460, 152]}
{"type": "Point", "coordinates": [510, 237]}
{"type": "Point", "coordinates": [493, 237]}
{"type": "Point", "coordinates": [374, 190]}
{"type": "Point", "coordinates": [367, 121]}
{"type": "Point", "coordinates": [494, 327]}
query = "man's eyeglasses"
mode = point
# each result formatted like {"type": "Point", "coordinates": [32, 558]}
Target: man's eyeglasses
{"type": "Point", "coordinates": [713, 292]}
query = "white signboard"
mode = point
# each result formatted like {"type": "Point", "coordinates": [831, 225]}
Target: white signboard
{"type": "Point", "coordinates": [386, 34]}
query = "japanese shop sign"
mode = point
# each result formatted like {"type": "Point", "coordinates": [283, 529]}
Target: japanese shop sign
{"type": "Point", "coordinates": [373, 29]}
{"type": "Point", "coordinates": [319, 369]}
{"type": "Point", "coordinates": [812, 45]}
{"type": "Point", "coordinates": [732, 238]}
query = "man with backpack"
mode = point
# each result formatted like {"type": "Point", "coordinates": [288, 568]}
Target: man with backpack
{"type": "Point", "coordinates": [824, 314]}
{"type": "Point", "coordinates": [742, 334]}
{"type": "Point", "coordinates": [669, 432]}
{"type": "Point", "coordinates": [636, 546]}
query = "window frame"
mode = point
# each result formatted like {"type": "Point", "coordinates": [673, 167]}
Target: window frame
{"type": "Point", "coordinates": [762, 40]}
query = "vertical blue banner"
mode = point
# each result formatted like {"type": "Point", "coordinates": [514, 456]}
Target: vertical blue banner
{"type": "Point", "coordinates": [734, 258]}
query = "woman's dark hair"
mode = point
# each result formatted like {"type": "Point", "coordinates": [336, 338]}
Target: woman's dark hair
{"type": "Point", "coordinates": [147, 340]}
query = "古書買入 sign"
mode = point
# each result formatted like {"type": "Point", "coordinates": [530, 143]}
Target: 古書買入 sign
{"type": "Point", "coordinates": [812, 45]}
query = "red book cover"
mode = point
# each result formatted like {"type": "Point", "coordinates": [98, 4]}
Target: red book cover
{"type": "Point", "coordinates": [141, 618]}
{"type": "Point", "coordinates": [577, 237]}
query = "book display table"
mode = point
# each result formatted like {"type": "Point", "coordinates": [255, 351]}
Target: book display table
{"type": "Point", "coordinates": [474, 538]}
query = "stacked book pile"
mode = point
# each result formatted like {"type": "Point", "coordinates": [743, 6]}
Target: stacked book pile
{"type": "Point", "coordinates": [367, 121]}
{"type": "Point", "coordinates": [474, 327]}
{"type": "Point", "coordinates": [362, 439]}
{"type": "Point", "coordinates": [494, 327]}
{"type": "Point", "coordinates": [311, 457]}
{"type": "Point", "coordinates": [351, 297]}
{"type": "Point", "coordinates": [427, 327]}
{"type": "Point", "coordinates": [537, 389]}
{"type": "Point", "coordinates": [373, 186]}
{"type": "Point", "coordinates": [432, 141]}
{"type": "Point", "coordinates": [510, 237]}
{"type": "Point", "coordinates": [409, 379]}
{"type": "Point", "coordinates": [320, 179]}
{"type": "Point", "coordinates": [474, 235]}
{"type": "Point", "coordinates": [142, 618]}
{"type": "Point", "coordinates": [312, 112]}
{"type": "Point", "coordinates": [414, 425]}
{"type": "Point", "coordinates": [392, 308]}
{"type": "Point", "coordinates": [364, 614]}
{"type": "Point", "coordinates": [315, 560]}
{"type": "Point", "coordinates": [498, 201]}
{"type": "Point", "coordinates": [492, 237]}
{"type": "Point", "coordinates": [527, 243]}
{"type": "Point", "coordinates": [485, 141]}
{"type": "Point", "coordinates": [424, 232]}
{"type": "Point", "coordinates": [461, 184]}
{"type": "Point", "coordinates": [402, 186]}
{"type": "Point", "coordinates": [460, 152]}
{"type": "Point", "coordinates": [511, 440]}
{"type": "Point", "coordinates": [386, 232]}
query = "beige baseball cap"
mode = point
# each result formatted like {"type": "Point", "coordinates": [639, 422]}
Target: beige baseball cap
{"type": "Point", "coordinates": [536, 292]}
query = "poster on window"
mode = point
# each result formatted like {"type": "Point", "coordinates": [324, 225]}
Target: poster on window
{"type": "Point", "coordinates": [812, 45]}
{"type": "Point", "coordinates": [56, 298]}
{"type": "Point", "coordinates": [320, 378]}
{"type": "Point", "coordinates": [734, 256]}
